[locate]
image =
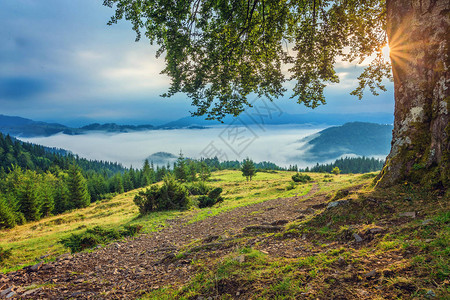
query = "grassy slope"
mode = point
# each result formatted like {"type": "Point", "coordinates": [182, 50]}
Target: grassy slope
{"type": "Point", "coordinates": [31, 241]}
{"type": "Point", "coordinates": [404, 258]}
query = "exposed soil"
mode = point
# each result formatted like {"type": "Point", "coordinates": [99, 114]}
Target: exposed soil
{"type": "Point", "coordinates": [130, 268]}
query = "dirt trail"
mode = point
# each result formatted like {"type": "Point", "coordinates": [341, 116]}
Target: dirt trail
{"type": "Point", "coordinates": [131, 268]}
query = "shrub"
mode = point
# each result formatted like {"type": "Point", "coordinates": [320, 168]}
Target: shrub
{"type": "Point", "coordinates": [299, 177]}
{"type": "Point", "coordinates": [171, 195]}
{"type": "Point", "coordinates": [291, 185]}
{"type": "Point", "coordinates": [212, 198]}
{"type": "Point", "coordinates": [97, 235]}
{"type": "Point", "coordinates": [198, 188]}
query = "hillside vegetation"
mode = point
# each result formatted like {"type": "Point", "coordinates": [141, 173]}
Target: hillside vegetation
{"type": "Point", "coordinates": [333, 237]}
{"type": "Point", "coordinates": [30, 241]}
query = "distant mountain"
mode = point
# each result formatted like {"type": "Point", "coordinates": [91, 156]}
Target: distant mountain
{"type": "Point", "coordinates": [113, 127]}
{"type": "Point", "coordinates": [357, 138]}
{"type": "Point", "coordinates": [282, 118]}
{"type": "Point", "coordinates": [17, 126]}
{"type": "Point", "coordinates": [162, 158]}
{"type": "Point", "coordinates": [21, 127]}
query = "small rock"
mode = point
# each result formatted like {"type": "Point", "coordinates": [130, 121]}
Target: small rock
{"type": "Point", "coordinates": [430, 294]}
{"type": "Point", "coordinates": [426, 222]}
{"type": "Point", "coordinates": [75, 294]}
{"type": "Point", "coordinates": [240, 258]}
{"type": "Point", "coordinates": [44, 256]}
{"type": "Point", "coordinates": [10, 295]}
{"type": "Point", "coordinates": [7, 291]}
{"type": "Point", "coordinates": [376, 230]}
{"type": "Point", "coordinates": [279, 222]}
{"type": "Point", "coordinates": [372, 273]}
{"type": "Point", "coordinates": [358, 239]}
{"type": "Point", "coordinates": [29, 292]}
{"type": "Point", "coordinates": [336, 203]}
{"type": "Point", "coordinates": [64, 256]}
{"type": "Point", "coordinates": [37, 266]}
{"type": "Point", "coordinates": [47, 267]}
{"type": "Point", "coordinates": [341, 261]}
{"type": "Point", "coordinates": [411, 214]}
{"type": "Point", "coordinates": [363, 292]}
{"type": "Point", "coordinates": [116, 245]}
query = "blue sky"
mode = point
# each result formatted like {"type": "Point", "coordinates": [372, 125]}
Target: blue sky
{"type": "Point", "coordinates": [60, 62]}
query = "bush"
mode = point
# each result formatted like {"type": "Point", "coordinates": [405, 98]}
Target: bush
{"type": "Point", "coordinates": [171, 195]}
{"type": "Point", "coordinates": [291, 185]}
{"type": "Point", "coordinates": [212, 198]}
{"type": "Point", "coordinates": [96, 236]}
{"type": "Point", "coordinates": [198, 188]}
{"type": "Point", "coordinates": [301, 178]}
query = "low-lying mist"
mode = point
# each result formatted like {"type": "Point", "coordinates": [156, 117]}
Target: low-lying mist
{"type": "Point", "coordinates": [276, 143]}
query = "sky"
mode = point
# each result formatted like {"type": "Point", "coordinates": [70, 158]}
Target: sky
{"type": "Point", "coordinates": [60, 62]}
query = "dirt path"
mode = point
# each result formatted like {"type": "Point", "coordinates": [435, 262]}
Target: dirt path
{"type": "Point", "coordinates": [131, 268]}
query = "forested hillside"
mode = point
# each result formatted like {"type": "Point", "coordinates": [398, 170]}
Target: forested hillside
{"type": "Point", "coordinates": [36, 181]}
{"type": "Point", "coordinates": [349, 165]}
{"type": "Point", "coordinates": [358, 138]}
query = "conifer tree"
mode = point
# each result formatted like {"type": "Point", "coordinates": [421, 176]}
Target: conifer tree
{"type": "Point", "coordinates": [148, 174]}
{"type": "Point", "coordinates": [204, 171]}
{"type": "Point", "coordinates": [248, 169]}
{"type": "Point", "coordinates": [180, 169]}
{"type": "Point", "coordinates": [78, 191]}
{"type": "Point", "coordinates": [7, 214]}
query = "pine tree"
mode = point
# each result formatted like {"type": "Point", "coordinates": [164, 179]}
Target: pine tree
{"type": "Point", "coordinates": [78, 191]}
{"type": "Point", "coordinates": [47, 191]}
{"type": "Point", "coordinates": [248, 169]}
{"type": "Point", "coordinates": [7, 214]}
{"type": "Point", "coordinates": [192, 171]}
{"type": "Point", "coordinates": [204, 172]}
{"type": "Point", "coordinates": [180, 169]}
{"type": "Point", "coordinates": [61, 196]}
{"type": "Point", "coordinates": [147, 174]}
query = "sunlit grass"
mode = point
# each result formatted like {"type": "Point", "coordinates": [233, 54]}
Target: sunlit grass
{"type": "Point", "coordinates": [31, 241]}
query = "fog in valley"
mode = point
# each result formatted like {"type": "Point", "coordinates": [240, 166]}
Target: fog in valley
{"type": "Point", "coordinates": [276, 143]}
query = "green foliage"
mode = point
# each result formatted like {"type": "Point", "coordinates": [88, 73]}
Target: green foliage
{"type": "Point", "coordinates": [171, 195]}
{"type": "Point", "coordinates": [96, 236]}
{"type": "Point", "coordinates": [198, 188]}
{"type": "Point", "coordinates": [204, 171]}
{"type": "Point", "coordinates": [290, 186]}
{"type": "Point", "coordinates": [219, 53]}
{"type": "Point", "coordinates": [212, 198]}
{"type": "Point", "coordinates": [7, 214]}
{"type": "Point", "coordinates": [180, 169]}
{"type": "Point", "coordinates": [349, 165]}
{"type": "Point", "coordinates": [248, 169]}
{"type": "Point", "coordinates": [78, 191]}
{"type": "Point", "coordinates": [336, 171]}
{"type": "Point", "coordinates": [303, 178]}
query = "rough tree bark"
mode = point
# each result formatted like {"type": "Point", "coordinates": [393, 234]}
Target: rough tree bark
{"type": "Point", "coordinates": [418, 33]}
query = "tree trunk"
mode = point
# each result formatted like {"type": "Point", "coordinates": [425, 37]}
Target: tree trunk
{"type": "Point", "coordinates": [418, 34]}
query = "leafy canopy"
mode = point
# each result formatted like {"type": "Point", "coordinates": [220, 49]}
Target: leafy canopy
{"type": "Point", "coordinates": [219, 52]}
